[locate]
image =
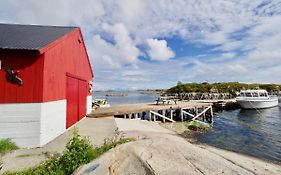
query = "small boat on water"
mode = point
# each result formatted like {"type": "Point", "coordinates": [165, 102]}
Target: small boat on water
{"type": "Point", "coordinates": [100, 103]}
{"type": "Point", "coordinates": [256, 99]}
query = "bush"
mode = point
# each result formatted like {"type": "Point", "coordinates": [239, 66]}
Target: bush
{"type": "Point", "coordinates": [7, 145]}
{"type": "Point", "coordinates": [78, 151]}
{"type": "Point", "coordinates": [228, 87]}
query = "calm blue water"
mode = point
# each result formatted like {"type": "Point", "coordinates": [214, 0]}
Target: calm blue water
{"type": "Point", "coordinates": [132, 97]}
{"type": "Point", "coordinates": [256, 133]}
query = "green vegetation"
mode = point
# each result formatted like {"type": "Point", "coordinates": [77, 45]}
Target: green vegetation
{"type": "Point", "coordinates": [229, 87]}
{"type": "Point", "coordinates": [7, 145]}
{"type": "Point", "coordinates": [196, 125]}
{"type": "Point", "coordinates": [151, 91]}
{"type": "Point", "coordinates": [78, 151]}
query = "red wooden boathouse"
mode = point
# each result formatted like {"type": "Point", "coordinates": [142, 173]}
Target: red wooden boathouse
{"type": "Point", "coordinates": [45, 82]}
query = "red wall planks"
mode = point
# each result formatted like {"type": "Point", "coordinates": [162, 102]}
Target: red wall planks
{"type": "Point", "coordinates": [30, 67]}
{"type": "Point", "coordinates": [44, 76]}
{"type": "Point", "coordinates": [69, 56]}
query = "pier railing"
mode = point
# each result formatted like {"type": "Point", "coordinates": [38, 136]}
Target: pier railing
{"type": "Point", "coordinates": [153, 114]}
{"type": "Point", "coordinates": [182, 111]}
{"type": "Point", "coordinates": [162, 116]}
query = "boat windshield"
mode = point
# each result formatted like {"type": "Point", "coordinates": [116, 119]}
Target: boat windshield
{"type": "Point", "coordinates": [248, 94]}
{"type": "Point", "coordinates": [263, 95]}
{"type": "Point", "coordinates": [255, 94]}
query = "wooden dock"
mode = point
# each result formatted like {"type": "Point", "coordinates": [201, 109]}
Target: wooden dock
{"type": "Point", "coordinates": [222, 104]}
{"type": "Point", "coordinates": [182, 110]}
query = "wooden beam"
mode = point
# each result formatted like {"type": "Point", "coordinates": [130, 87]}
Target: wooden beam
{"type": "Point", "coordinates": [181, 114]}
{"type": "Point", "coordinates": [155, 113]}
{"type": "Point", "coordinates": [202, 113]}
{"type": "Point", "coordinates": [212, 115]}
{"type": "Point", "coordinates": [149, 115]}
{"type": "Point", "coordinates": [163, 113]}
{"type": "Point", "coordinates": [187, 113]}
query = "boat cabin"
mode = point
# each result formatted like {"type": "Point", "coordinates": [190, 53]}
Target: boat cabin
{"type": "Point", "coordinates": [254, 93]}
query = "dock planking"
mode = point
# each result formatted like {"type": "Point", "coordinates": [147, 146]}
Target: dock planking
{"type": "Point", "coordinates": [144, 107]}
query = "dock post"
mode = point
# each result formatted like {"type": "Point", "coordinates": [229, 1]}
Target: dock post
{"type": "Point", "coordinates": [204, 115]}
{"type": "Point", "coordinates": [130, 116]}
{"type": "Point", "coordinates": [149, 115]}
{"type": "Point", "coordinates": [124, 116]}
{"type": "Point", "coordinates": [154, 117]}
{"type": "Point", "coordinates": [136, 115]}
{"type": "Point", "coordinates": [212, 115]}
{"type": "Point", "coordinates": [163, 113]}
{"type": "Point", "coordinates": [171, 114]}
{"type": "Point", "coordinates": [181, 114]}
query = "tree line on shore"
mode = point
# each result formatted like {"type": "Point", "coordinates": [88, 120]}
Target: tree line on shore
{"type": "Point", "coordinates": [228, 87]}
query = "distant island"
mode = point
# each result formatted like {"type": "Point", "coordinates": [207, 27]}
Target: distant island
{"type": "Point", "coordinates": [228, 87]}
{"type": "Point", "coordinates": [116, 94]}
{"type": "Point", "coordinates": [152, 91]}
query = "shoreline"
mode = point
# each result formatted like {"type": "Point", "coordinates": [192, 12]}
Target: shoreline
{"type": "Point", "coordinates": [189, 135]}
{"type": "Point", "coordinates": [158, 150]}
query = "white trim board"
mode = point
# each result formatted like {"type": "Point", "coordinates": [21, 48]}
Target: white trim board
{"type": "Point", "coordinates": [89, 104]}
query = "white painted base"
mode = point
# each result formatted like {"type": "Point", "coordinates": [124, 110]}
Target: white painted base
{"type": "Point", "coordinates": [89, 104]}
{"type": "Point", "coordinates": [32, 124]}
{"type": "Point", "coordinates": [53, 120]}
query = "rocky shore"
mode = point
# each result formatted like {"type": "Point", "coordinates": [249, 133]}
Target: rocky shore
{"type": "Point", "coordinates": [160, 151]}
{"type": "Point", "coordinates": [157, 150]}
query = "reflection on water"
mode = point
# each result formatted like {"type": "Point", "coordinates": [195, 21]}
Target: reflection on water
{"type": "Point", "coordinates": [256, 133]}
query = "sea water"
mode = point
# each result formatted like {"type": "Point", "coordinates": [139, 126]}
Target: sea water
{"type": "Point", "coordinates": [128, 98]}
{"type": "Point", "coordinates": [252, 132]}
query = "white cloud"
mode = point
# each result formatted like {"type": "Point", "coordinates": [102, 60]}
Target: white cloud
{"type": "Point", "coordinates": [244, 35]}
{"type": "Point", "coordinates": [228, 55]}
{"type": "Point", "coordinates": [158, 50]}
{"type": "Point", "coordinates": [119, 52]}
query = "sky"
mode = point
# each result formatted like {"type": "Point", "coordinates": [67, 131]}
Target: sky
{"type": "Point", "coordinates": [141, 44]}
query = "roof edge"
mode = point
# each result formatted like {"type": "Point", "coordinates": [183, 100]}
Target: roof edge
{"type": "Point", "coordinates": [85, 49]}
{"type": "Point", "coordinates": [39, 25]}
{"type": "Point", "coordinates": [55, 42]}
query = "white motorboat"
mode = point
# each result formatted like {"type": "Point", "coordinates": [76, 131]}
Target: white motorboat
{"type": "Point", "coordinates": [256, 99]}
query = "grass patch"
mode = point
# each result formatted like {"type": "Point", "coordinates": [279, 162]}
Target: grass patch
{"type": "Point", "coordinates": [78, 151]}
{"type": "Point", "coordinates": [7, 145]}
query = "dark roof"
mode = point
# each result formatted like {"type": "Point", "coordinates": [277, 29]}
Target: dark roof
{"type": "Point", "coordinates": [29, 37]}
